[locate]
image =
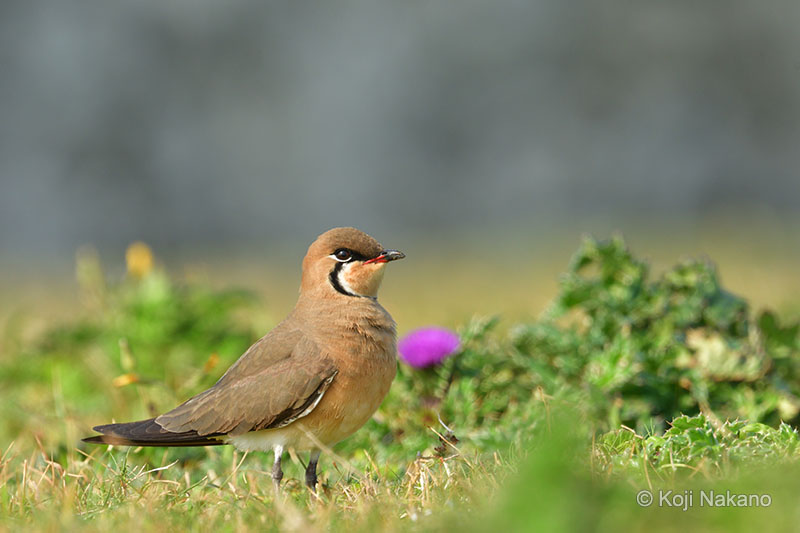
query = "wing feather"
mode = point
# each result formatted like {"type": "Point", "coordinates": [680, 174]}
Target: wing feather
{"type": "Point", "coordinates": [279, 379]}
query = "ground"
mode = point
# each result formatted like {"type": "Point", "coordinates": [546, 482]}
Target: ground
{"type": "Point", "coordinates": [614, 377]}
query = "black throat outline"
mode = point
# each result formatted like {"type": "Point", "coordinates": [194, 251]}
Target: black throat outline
{"type": "Point", "coordinates": [334, 277]}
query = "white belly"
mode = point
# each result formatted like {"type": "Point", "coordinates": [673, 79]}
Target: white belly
{"type": "Point", "coordinates": [291, 436]}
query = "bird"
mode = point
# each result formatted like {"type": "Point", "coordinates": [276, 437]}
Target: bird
{"type": "Point", "coordinates": [312, 381]}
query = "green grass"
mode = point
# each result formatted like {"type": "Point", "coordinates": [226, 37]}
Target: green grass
{"type": "Point", "coordinates": [628, 382]}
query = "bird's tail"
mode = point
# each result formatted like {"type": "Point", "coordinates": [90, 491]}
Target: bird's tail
{"type": "Point", "coordinates": [149, 433]}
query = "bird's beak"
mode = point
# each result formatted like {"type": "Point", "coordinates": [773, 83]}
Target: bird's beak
{"type": "Point", "coordinates": [386, 256]}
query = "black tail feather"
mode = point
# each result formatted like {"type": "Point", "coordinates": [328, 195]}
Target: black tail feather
{"type": "Point", "coordinates": [149, 433]}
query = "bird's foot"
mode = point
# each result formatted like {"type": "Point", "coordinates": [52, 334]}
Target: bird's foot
{"type": "Point", "coordinates": [311, 472]}
{"type": "Point", "coordinates": [277, 475]}
{"type": "Point", "coordinates": [311, 481]}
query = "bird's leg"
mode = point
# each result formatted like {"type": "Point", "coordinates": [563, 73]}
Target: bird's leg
{"type": "Point", "coordinates": [277, 473]}
{"type": "Point", "coordinates": [311, 471]}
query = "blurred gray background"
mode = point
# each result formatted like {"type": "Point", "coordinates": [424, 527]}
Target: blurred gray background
{"type": "Point", "coordinates": [198, 123]}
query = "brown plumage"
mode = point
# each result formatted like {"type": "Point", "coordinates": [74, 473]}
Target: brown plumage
{"type": "Point", "coordinates": [314, 379]}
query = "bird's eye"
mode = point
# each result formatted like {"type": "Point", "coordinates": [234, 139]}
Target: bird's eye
{"type": "Point", "coordinates": [343, 255]}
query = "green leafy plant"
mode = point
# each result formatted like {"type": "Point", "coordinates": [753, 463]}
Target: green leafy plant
{"type": "Point", "coordinates": [643, 351]}
{"type": "Point", "coordinates": [142, 343]}
{"type": "Point", "coordinates": [695, 444]}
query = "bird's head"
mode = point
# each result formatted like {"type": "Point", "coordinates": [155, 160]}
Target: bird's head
{"type": "Point", "coordinates": [345, 262]}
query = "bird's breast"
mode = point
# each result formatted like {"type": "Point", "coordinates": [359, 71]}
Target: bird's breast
{"type": "Point", "coordinates": [365, 357]}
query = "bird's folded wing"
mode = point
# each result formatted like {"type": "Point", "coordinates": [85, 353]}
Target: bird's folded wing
{"type": "Point", "coordinates": [279, 380]}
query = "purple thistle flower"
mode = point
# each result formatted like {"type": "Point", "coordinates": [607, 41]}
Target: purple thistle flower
{"type": "Point", "coordinates": [427, 346]}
